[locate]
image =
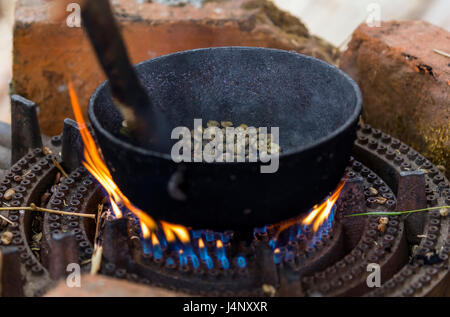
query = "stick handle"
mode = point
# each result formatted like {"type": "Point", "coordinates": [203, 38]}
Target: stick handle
{"type": "Point", "coordinates": [128, 92]}
{"type": "Point", "coordinates": [108, 43]}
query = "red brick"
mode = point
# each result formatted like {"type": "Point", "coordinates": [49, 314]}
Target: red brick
{"type": "Point", "coordinates": [405, 84]}
{"type": "Point", "coordinates": [46, 51]}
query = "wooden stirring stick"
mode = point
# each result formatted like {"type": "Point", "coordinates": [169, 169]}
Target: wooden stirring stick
{"type": "Point", "coordinates": [145, 123]}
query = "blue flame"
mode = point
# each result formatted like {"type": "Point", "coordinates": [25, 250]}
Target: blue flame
{"type": "Point", "coordinates": [225, 262]}
{"type": "Point", "coordinates": [146, 246]}
{"type": "Point", "coordinates": [277, 257]}
{"type": "Point", "coordinates": [296, 233]}
{"type": "Point", "coordinates": [192, 254]}
{"type": "Point", "coordinates": [272, 243]}
{"type": "Point", "coordinates": [241, 262]}
{"type": "Point", "coordinates": [292, 234]}
{"type": "Point", "coordinates": [222, 256]}
{"type": "Point", "coordinates": [157, 252]}
{"type": "Point", "coordinates": [209, 262]}
{"type": "Point", "coordinates": [195, 262]}
{"type": "Point", "coordinates": [226, 237]}
{"type": "Point", "coordinates": [162, 241]}
{"type": "Point", "coordinates": [209, 236]}
{"type": "Point", "coordinates": [206, 258]}
{"type": "Point", "coordinates": [183, 259]}
{"type": "Point", "coordinates": [220, 252]}
{"type": "Point", "coordinates": [259, 231]}
{"type": "Point", "coordinates": [170, 261]}
{"type": "Point", "coordinates": [299, 230]}
{"type": "Point", "coordinates": [195, 234]}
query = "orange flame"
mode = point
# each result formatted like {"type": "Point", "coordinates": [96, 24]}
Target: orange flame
{"type": "Point", "coordinates": [201, 244]}
{"type": "Point", "coordinates": [170, 236]}
{"type": "Point", "coordinates": [173, 231]}
{"type": "Point", "coordinates": [115, 208]}
{"type": "Point", "coordinates": [321, 213]}
{"type": "Point", "coordinates": [146, 233]}
{"type": "Point", "coordinates": [97, 167]}
{"type": "Point", "coordinates": [219, 244]}
{"type": "Point", "coordinates": [155, 240]}
{"type": "Point", "coordinates": [318, 214]}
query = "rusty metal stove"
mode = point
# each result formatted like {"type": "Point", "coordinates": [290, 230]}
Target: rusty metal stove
{"type": "Point", "coordinates": [384, 174]}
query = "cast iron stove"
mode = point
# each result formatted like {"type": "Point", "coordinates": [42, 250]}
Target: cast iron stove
{"type": "Point", "coordinates": [384, 175]}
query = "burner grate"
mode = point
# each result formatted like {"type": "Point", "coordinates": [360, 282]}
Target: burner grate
{"type": "Point", "coordinates": [384, 174]}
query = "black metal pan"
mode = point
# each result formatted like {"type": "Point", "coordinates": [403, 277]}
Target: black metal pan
{"type": "Point", "coordinates": [315, 105]}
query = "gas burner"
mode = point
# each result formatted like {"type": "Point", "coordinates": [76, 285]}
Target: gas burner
{"type": "Point", "coordinates": [383, 175]}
